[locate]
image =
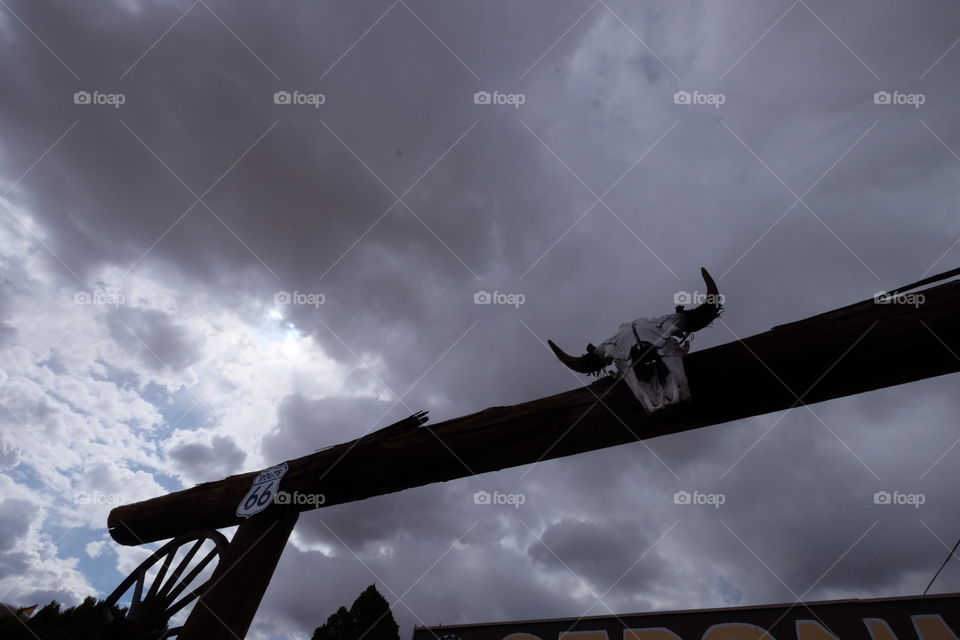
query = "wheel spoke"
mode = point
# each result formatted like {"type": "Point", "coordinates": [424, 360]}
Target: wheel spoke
{"type": "Point", "coordinates": [137, 593]}
{"type": "Point", "coordinates": [162, 593]}
{"type": "Point", "coordinates": [187, 599]}
{"type": "Point", "coordinates": [158, 579]}
{"type": "Point", "coordinates": [193, 574]}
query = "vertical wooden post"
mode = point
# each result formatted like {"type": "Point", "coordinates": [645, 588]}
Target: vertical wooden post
{"type": "Point", "coordinates": [226, 610]}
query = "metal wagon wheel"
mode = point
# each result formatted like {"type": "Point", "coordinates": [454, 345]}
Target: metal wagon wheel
{"type": "Point", "coordinates": [151, 607]}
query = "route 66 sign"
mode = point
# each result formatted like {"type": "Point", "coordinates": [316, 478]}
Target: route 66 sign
{"type": "Point", "coordinates": [261, 494]}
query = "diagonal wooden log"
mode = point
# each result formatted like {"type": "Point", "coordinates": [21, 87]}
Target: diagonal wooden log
{"type": "Point", "coordinates": [855, 349]}
{"type": "Point", "coordinates": [227, 607]}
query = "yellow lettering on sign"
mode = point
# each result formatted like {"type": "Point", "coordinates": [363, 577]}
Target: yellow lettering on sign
{"type": "Point", "coordinates": [932, 627]}
{"type": "Point", "coordinates": [879, 629]}
{"type": "Point", "coordinates": [736, 631]}
{"type": "Point", "coordinates": [813, 630]}
{"type": "Point", "coordinates": [650, 633]}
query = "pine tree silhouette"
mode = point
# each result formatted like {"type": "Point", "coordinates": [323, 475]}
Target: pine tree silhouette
{"type": "Point", "coordinates": [369, 618]}
{"type": "Point", "coordinates": [339, 626]}
{"type": "Point", "coordinates": [84, 621]}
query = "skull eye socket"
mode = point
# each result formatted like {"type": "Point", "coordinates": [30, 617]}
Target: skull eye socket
{"type": "Point", "coordinates": [647, 363]}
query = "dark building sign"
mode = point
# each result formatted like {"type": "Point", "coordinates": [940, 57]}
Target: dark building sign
{"type": "Point", "coordinates": [916, 618]}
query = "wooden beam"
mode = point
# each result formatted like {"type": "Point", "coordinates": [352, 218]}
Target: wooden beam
{"type": "Point", "coordinates": [227, 608]}
{"type": "Point", "coordinates": [858, 348]}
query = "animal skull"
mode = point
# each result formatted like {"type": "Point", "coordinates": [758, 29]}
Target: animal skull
{"type": "Point", "coordinates": [648, 352]}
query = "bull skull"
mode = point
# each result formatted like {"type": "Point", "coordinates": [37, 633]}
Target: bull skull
{"type": "Point", "coordinates": [649, 352]}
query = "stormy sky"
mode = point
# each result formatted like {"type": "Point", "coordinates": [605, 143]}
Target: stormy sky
{"type": "Point", "coordinates": [237, 232]}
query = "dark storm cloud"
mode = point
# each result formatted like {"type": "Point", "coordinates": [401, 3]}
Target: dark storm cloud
{"type": "Point", "coordinates": [800, 517]}
{"type": "Point", "coordinates": [14, 563]}
{"type": "Point", "coordinates": [200, 462]}
{"type": "Point", "coordinates": [300, 198]}
{"type": "Point", "coordinates": [306, 424]}
{"type": "Point", "coordinates": [155, 337]}
{"type": "Point", "coordinates": [292, 200]}
{"type": "Point", "coordinates": [604, 554]}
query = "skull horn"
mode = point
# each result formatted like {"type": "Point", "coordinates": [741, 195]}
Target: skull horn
{"type": "Point", "coordinates": [587, 363]}
{"type": "Point", "coordinates": [704, 314]}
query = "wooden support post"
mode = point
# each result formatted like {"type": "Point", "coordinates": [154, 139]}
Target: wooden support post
{"type": "Point", "coordinates": [226, 610]}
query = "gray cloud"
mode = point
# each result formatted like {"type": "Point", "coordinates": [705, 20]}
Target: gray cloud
{"type": "Point", "coordinates": [606, 556]}
{"type": "Point", "coordinates": [200, 461]}
{"type": "Point", "coordinates": [155, 337]}
{"type": "Point", "coordinates": [15, 518]}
